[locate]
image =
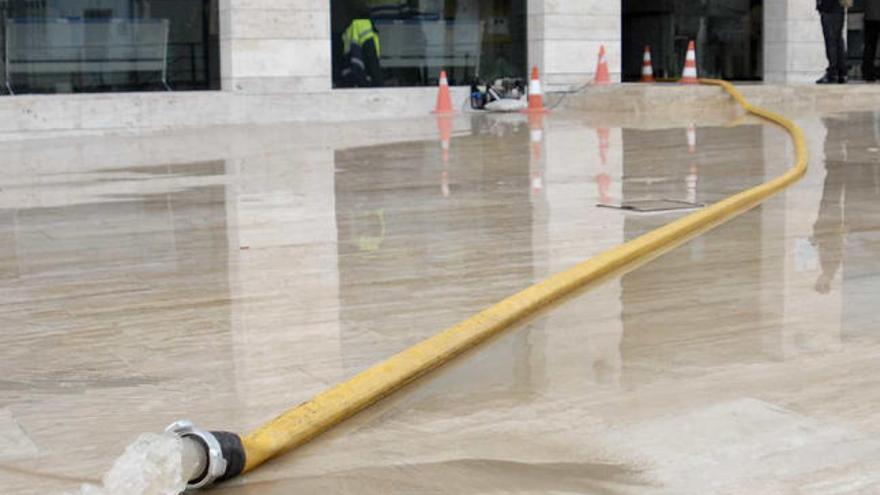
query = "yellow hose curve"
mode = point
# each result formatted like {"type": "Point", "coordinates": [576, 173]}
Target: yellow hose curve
{"type": "Point", "coordinates": [303, 423]}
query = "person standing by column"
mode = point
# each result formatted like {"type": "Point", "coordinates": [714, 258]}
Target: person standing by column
{"type": "Point", "coordinates": [872, 32]}
{"type": "Point", "coordinates": [833, 16]}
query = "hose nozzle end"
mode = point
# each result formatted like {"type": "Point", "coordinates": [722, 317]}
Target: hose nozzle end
{"type": "Point", "coordinates": [223, 453]}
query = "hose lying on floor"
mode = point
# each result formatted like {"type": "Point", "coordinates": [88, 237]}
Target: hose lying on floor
{"type": "Point", "coordinates": [231, 455]}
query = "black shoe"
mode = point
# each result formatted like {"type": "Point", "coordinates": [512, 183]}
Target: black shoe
{"type": "Point", "coordinates": [841, 80]}
{"type": "Point", "coordinates": [826, 80]}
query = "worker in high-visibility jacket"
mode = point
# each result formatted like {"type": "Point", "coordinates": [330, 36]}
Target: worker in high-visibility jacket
{"type": "Point", "coordinates": [361, 51]}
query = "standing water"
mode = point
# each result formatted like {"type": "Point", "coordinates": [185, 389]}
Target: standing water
{"type": "Point", "coordinates": [152, 465]}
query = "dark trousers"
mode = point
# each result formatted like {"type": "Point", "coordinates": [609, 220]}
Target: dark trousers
{"type": "Point", "coordinates": [374, 70]}
{"type": "Point", "coordinates": [872, 31]}
{"type": "Point", "coordinates": [835, 47]}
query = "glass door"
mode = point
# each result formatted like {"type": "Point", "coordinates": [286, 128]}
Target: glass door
{"type": "Point", "coordinates": [728, 35]}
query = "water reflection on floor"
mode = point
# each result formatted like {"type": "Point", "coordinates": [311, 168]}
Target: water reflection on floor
{"type": "Point", "coordinates": [224, 278]}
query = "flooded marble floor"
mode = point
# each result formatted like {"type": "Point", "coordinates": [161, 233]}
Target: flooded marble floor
{"type": "Point", "coordinates": [225, 275]}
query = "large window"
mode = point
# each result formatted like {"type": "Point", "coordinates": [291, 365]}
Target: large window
{"type": "Point", "coordinates": [855, 42]}
{"type": "Point", "coordinates": [74, 46]}
{"type": "Point", "coordinates": [728, 35]}
{"type": "Point", "coordinates": [416, 39]}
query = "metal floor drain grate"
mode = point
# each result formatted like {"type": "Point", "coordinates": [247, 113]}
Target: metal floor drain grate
{"type": "Point", "coordinates": [653, 205]}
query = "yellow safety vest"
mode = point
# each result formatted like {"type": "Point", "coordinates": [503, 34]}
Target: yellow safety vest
{"type": "Point", "coordinates": [359, 32]}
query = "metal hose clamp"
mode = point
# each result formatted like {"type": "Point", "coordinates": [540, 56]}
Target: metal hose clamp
{"type": "Point", "coordinates": [216, 463]}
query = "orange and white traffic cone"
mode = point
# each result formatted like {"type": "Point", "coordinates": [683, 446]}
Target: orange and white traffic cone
{"type": "Point", "coordinates": [690, 65]}
{"type": "Point", "coordinates": [602, 75]}
{"type": "Point", "coordinates": [444, 100]}
{"type": "Point", "coordinates": [647, 66]}
{"type": "Point", "coordinates": [692, 138]}
{"type": "Point", "coordinates": [536, 95]}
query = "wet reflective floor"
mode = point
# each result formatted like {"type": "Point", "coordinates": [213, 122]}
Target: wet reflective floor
{"type": "Point", "coordinates": [226, 275]}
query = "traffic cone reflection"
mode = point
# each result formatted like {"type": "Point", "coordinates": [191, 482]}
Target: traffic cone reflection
{"type": "Point", "coordinates": [691, 182]}
{"type": "Point", "coordinates": [444, 128]}
{"type": "Point", "coordinates": [603, 179]}
{"type": "Point", "coordinates": [536, 134]}
{"type": "Point", "coordinates": [604, 135]}
{"type": "Point", "coordinates": [692, 138]}
{"type": "Point", "coordinates": [690, 65]}
{"type": "Point", "coordinates": [444, 99]}
{"type": "Point", "coordinates": [692, 179]}
{"type": "Point", "coordinates": [602, 75]}
{"type": "Point", "coordinates": [647, 66]}
{"type": "Point", "coordinates": [536, 141]}
{"type": "Point", "coordinates": [603, 182]}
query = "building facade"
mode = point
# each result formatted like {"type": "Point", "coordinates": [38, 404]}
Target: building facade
{"type": "Point", "coordinates": [274, 48]}
{"type": "Point", "coordinates": [283, 45]}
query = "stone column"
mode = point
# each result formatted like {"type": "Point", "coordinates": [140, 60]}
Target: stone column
{"type": "Point", "coordinates": [584, 336]}
{"type": "Point", "coordinates": [565, 35]}
{"type": "Point", "coordinates": [275, 46]}
{"type": "Point", "coordinates": [793, 47]}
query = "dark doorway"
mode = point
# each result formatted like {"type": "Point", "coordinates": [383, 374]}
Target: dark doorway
{"type": "Point", "coordinates": [728, 36]}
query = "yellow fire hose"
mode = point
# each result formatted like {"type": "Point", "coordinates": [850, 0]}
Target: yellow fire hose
{"type": "Point", "coordinates": [308, 420]}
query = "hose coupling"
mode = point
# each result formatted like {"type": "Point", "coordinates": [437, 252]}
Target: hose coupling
{"type": "Point", "coordinates": [224, 453]}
